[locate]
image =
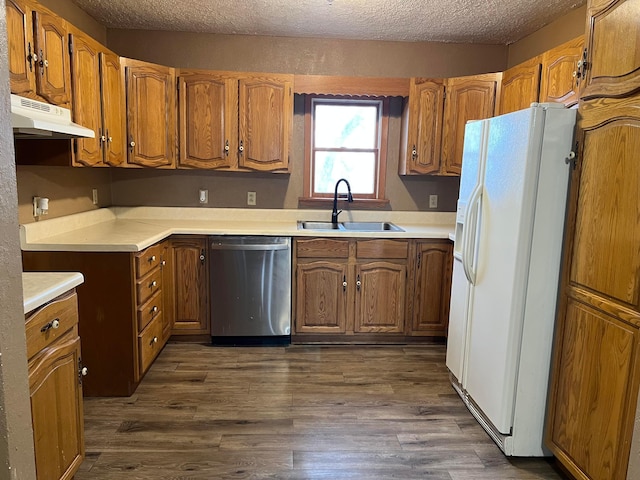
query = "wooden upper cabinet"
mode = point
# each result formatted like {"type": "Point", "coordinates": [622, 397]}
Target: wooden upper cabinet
{"type": "Point", "coordinates": [87, 108]}
{"type": "Point", "coordinates": [520, 86]}
{"type": "Point", "coordinates": [561, 73]}
{"type": "Point", "coordinates": [422, 124]}
{"type": "Point", "coordinates": [98, 102]}
{"type": "Point", "coordinates": [22, 64]}
{"type": "Point", "coordinates": [613, 42]}
{"type": "Point", "coordinates": [113, 109]}
{"type": "Point", "coordinates": [208, 120]}
{"type": "Point", "coordinates": [151, 123]}
{"type": "Point", "coordinates": [53, 79]}
{"type": "Point", "coordinates": [265, 117]}
{"type": "Point", "coordinates": [467, 98]}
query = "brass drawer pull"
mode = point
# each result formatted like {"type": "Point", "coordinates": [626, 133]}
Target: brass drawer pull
{"type": "Point", "coordinates": [55, 323]}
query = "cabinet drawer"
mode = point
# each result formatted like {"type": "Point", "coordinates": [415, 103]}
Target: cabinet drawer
{"type": "Point", "coordinates": [149, 343]}
{"type": "Point", "coordinates": [45, 325]}
{"type": "Point", "coordinates": [149, 310]}
{"type": "Point", "coordinates": [149, 285]}
{"type": "Point", "coordinates": [382, 248]}
{"type": "Point", "coordinates": [322, 248]}
{"type": "Point", "coordinates": [148, 260]}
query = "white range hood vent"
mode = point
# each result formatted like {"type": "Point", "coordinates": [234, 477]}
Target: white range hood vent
{"type": "Point", "coordinates": [33, 119]}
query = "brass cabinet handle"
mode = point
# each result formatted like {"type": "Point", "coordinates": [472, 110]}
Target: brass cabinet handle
{"type": "Point", "coordinates": [358, 283]}
{"type": "Point", "coordinates": [414, 153]}
{"type": "Point", "coordinates": [226, 148]}
{"type": "Point", "coordinates": [344, 283]}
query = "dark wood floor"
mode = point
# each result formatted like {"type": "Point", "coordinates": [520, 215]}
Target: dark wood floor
{"type": "Point", "coordinates": [296, 413]}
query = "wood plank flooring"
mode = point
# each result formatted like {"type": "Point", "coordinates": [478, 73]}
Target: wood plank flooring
{"type": "Point", "coordinates": [296, 413]}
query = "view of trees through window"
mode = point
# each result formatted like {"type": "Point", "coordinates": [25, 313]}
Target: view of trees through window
{"type": "Point", "coordinates": [346, 145]}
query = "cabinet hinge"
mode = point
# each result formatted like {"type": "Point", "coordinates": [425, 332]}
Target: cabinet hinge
{"type": "Point", "coordinates": [178, 84]}
{"type": "Point", "coordinates": [70, 45]}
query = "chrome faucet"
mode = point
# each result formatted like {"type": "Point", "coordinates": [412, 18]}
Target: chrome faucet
{"type": "Point", "coordinates": [335, 212]}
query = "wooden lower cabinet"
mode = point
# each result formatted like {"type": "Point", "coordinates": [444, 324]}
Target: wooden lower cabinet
{"type": "Point", "coordinates": [190, 288]}
{"type": "Point", "coordinates": [431, 287]}
{"type": "Point", "coordinates": [121, 305]}
{"type": "Point", "coordinates": [55, 384]}
{"type": "Point", "coordinates": [350, 287]}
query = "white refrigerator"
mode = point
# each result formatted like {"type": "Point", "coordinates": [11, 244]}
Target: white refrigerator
{"type": "Point", "coordinates": [507, 255]}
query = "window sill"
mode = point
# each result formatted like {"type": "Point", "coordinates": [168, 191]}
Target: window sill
{"type": "Point", "coordinates": [357, 204]}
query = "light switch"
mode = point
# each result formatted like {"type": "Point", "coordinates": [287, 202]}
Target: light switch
{"type": "Point", "coordinates": [203, 196]}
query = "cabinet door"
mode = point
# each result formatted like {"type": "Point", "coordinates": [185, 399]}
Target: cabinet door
{"type": "Point", "coordinates": [208, 127]}
{"type": "Point", "coordinates": [265, 116]}
{"type": "Point", "coordinates": [113, 109]}
{"type": "Point", "coordinates": [56, 408]}
{"type": "Point", "coordinates": [432, 288]}
{"type": "Point", "coordinates": [380, 301]}
{"type": "Point", "coordinates": [613, 41]}
{"type": "Point", "coordinates": [560, 79]}
{"type": "Point", "coordinates": [168, 290]}
{"type": "Point", "coordinates": [150, 115]}
{"type": "Point", "coordinates": [22, 65]}
{"type": "Point", "coordinates": [424, 111]}
{"type": "Point", "coordinates": [321, 297]}
{"type": "Point", "coordinates": [87, 111]}
{"type": "Point", "coordinates": [520, 86]}
{"type": "Point", "coordinates": [596, 368]}
{"type": "Point", "coordinates": [468, 98]}
{"type": "Point", "coordinates": [190, 283]}
{"type": "Point", "coordinates": [53, 80]}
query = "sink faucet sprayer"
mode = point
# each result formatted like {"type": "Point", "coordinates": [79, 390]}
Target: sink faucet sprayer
{"type": "Point", "coordinates": [335, 212]}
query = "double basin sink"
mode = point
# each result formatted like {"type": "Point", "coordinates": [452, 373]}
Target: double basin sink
{"type": "Point", "coordinates": [350, 226]}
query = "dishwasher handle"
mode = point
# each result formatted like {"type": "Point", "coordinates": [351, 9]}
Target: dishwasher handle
{"type": "Point", "coordinates": [244, 247]}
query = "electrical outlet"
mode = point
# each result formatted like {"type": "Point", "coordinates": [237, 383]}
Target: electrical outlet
{"type": "Point", "coordinates": [433, 201]}
{"type": "Point", "coordinates": [203, 196]}
{"type": "Point", "coordinates": [94, 196]}
{"type": "Point", "coordinates": [251, 198]}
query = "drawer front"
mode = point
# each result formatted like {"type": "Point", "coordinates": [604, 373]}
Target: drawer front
{"type": "Point", "coordinates": [150, 343]}
{"type": "Point", "coordinates": [382, 249]}
{"type": "Point", "coordinates": [149, 310]}
{"type": "Point", "coordinates": [45, 325]}
{"type": "Point", "coordinates": [322, 248]}
{"type": "Point", "coordinates": [149, 285]}
{"type": "Point", "coordinates": [147, 260]}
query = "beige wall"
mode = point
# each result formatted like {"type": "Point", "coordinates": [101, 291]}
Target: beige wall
{"type": "Point", "coordinates": [16, 438]}
{"type": "Point", "coordinates": [69, 189]}
{"type": "Point", "coordinates": [180, 188]}
{"type": "Point", "coordinates": [78, 17]}
{"type": "Point", "coordinates": [562, 30]}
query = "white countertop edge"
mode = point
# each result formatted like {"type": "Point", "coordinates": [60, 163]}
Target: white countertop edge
{"type": "Point", "coordinates": [41, 287]}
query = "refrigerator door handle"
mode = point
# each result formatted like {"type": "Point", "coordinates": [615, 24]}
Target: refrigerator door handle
{"type": "Point", "coordinates": [469, 246]}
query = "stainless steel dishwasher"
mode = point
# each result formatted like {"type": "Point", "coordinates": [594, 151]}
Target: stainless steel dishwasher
{"type": "Point", "coordinates": [250, 282]}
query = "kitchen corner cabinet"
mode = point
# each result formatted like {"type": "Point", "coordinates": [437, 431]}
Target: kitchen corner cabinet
{"type": "Point", "coordinates": [38, 53]}
{"type": "Point", "coordinates": [431, 283]}
{"type": "Point", "coordinates": [520, 86]}
{"type": "Point", "coordinates": [350, 287]}
{"type": "Point", "coordinates": [150, 105]}
{"type": "Point", "coordinates": [55, 383]}
{"type": "Point", "coordinates": [561, 73]}
{"type": "Point", "coordinates": [121, 305]}
{"type": "Point", "coordinates": [234, 121]}
{"type": "Point", "coordinates": [613, 63]}
{"type": "Point", "coordinates": [467, 98]}
{"type": "Point", "coordinates": [190, 292]}
{"type": "Point", "coordinates": [434, 119]}
{"type": "Point", "coordinates": [98, 102]}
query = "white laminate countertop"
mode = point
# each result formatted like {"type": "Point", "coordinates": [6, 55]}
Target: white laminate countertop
{"type": "Point", "coordinates": [41, 287]}
{"type": "Point", "coordinates": [132, 229]}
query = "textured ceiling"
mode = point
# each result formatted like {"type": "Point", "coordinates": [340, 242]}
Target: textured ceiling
{"type": "Point", "coordinates": [466, 21]}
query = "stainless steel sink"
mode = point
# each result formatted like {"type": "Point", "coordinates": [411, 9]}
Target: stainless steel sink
{"type": "Point", "coordinates": [350, 226]}
{"type": "Point", "coordinates": [372, 226]}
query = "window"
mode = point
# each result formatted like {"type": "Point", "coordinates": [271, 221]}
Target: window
{"type": "Point", "coordinates": [345, 138]}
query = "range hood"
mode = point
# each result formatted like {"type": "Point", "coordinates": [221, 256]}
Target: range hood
{"type": "Point", "coordinates": [33, 119]}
